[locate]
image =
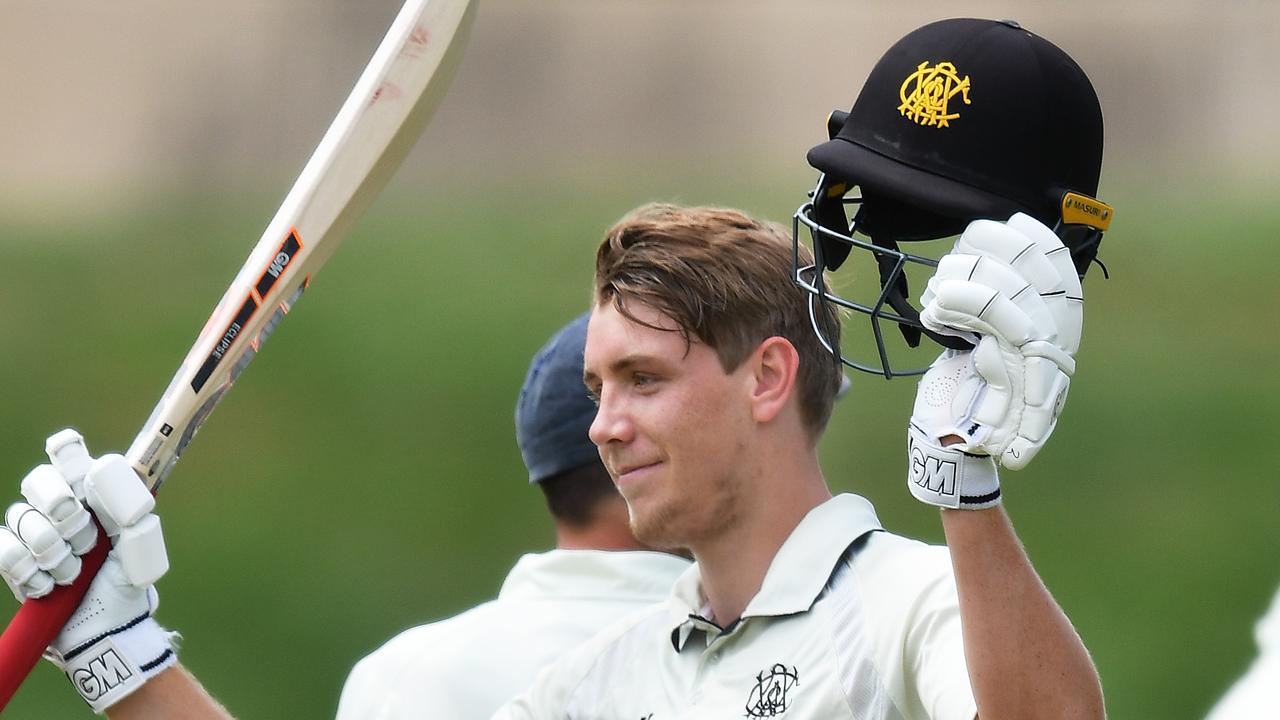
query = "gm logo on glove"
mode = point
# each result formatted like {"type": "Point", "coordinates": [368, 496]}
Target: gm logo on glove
{"type": "Point", "coordinates": [936, 475]}
{"type": "Point", "coordinates": [101, 675]}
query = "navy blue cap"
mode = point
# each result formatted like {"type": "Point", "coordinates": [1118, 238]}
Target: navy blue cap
{"type": "Point", "coordinates": [554, 412]}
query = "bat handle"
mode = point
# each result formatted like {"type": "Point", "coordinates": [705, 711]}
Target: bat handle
{"type": "Point", "coordinates": [40, 620]}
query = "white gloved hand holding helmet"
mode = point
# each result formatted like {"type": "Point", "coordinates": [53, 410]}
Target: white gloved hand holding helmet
{"type": "Point", "coordinates": [1011, 289]}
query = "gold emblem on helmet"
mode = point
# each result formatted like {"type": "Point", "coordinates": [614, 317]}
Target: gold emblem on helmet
{"type": "Point", "coordinates": [926, 102]}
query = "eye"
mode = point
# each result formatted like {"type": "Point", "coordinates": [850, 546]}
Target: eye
{"type": "Point", "coordinates": [643, 380]}
{"type": "Point", "coordinates": [593, 394]}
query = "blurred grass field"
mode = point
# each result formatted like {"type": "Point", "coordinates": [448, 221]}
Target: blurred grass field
{"type": "Point", "coordinates": [363, 477]}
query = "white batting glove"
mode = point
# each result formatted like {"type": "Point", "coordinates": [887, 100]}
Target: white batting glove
{"type": "Point", "coordinates": [111, 645]}
{"type": "Point", "coordinates": [1009, 288]}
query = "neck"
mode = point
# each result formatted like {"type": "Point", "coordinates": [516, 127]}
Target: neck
{"type": "Point", "coordinates": [608, 529]}
{"type": "Point", "coordinates": [733, 563]}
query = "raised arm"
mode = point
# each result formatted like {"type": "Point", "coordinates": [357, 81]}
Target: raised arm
{"type": "Point", "coordinates": [1011, 290]}
{"type": "Point", "coordinates": [1024, 657]}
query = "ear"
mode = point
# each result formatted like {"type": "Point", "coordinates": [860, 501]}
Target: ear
{"type": "Point", "coordinates": [775, 364]}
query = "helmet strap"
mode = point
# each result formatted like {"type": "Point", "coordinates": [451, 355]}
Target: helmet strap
{"type": "Point", "coordinates": [893, 284]}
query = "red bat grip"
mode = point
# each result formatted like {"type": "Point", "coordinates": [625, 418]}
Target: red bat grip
{"type": "Point", "coordinates": [38, 622]}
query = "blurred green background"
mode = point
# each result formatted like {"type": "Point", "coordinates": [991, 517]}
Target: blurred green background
{"type": "Point", "coordinates": [363, 477]}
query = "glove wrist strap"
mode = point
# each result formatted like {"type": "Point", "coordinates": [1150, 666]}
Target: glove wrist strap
{"type": "Point", "coordinates": [108, 668]}
{"type": "Point", "coordinates": [949, 478]}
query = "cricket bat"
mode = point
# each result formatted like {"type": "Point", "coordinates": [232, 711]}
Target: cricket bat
{"type": "Point", "coordinates": [373, 131]}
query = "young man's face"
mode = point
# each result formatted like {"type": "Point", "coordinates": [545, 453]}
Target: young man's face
{"type": "Point", "coordinates": [672, 428]}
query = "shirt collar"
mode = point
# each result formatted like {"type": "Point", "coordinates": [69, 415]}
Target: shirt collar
{"type": "Point", "coordinates": [592, 574]}
{"type": "Point", "coordinates": [797, 575]}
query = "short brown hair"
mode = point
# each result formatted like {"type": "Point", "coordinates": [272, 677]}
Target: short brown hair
{"type": "Point", "coordinates": [725, 279]}
{"type": "Point", "coordinates": [577, 496]}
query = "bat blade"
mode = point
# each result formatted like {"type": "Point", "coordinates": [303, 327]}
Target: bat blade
{"type": "Point", "coordinates": [380, 121]}
{"type": "Point", "coordinates": [374, 130]}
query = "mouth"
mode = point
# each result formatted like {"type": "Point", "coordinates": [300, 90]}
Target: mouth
{"type": "Point", "coordinates": [632, 473]}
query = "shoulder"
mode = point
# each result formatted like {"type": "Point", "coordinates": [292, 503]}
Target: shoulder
{"type": "Point", "coordinates": [901, 564]}
{"type": "Point", "coordinates": [466, 665]}
{"type": "Point", "coordinates": [588, 669]}
{"type": "Point", "coordinates": [423, 641]}
{"type": "Point", "coordinates": [418, 661]}
{"type": "Point", "coordinates": [897, 589]}
{"type": "Point", "coordinates": [895, 579]}
{"type": "Point", "coordinates": [894, 616]}
{"type": "Point", "coordinates": [624, 639]}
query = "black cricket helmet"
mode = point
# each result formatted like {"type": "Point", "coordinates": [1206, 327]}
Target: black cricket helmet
{"type": "Point", "coordinates": [961, 119]}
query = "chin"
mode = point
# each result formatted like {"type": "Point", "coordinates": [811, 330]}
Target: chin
{"type": "Point", "coordinates": [654, 528]}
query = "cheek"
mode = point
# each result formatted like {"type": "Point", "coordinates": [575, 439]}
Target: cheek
{"type": "Point", "coordinates": [712, 429]}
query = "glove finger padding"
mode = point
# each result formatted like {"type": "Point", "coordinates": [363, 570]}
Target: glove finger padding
{"type": "Point", "coordinates": [1039, 414]}
{"type": "Point", "coordinates": [1034, 252]}
{"type": "Point", "coordinates": [19, 570]}
{"type": "Point", "coordinates": [70, 457]}
{"type": "Point", "coordinates": [51, 553]}
{"type": "Point", "coordinates": [1019, 404]}
{"type": "Point", "coordinates": [1012, 380]}
{"type": "Point", "coordinates": [978, 308]}
{"type": "Point", "coordinates": [1051, 247]}
{"type": "Point", "coordinates": [51, 493]}
{"type": "Point", "coordinates": [998, 365]}
{"type": "Point", "coordinates": [1013, 248]}
{"type": "Point", "coordinates": [114, 492]}
{"type": "Point", "coordinates": [1066, 301]}
{"type": "Point", "coordinates": [975, 271]}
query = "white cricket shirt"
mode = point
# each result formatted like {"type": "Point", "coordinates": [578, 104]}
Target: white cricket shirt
{"type": "Point", "coordinates": [468, 665]}
{"type": "Point", "coordinates": [1254, 694]}
{"type": "Point", "coordinates": [850, 622]}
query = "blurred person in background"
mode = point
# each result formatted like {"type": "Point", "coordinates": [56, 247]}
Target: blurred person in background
{"type": "Point", "coordinates": [550, 601]}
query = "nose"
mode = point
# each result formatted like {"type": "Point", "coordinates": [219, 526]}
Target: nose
{"type": "Point", "coordinates": [612, 423]}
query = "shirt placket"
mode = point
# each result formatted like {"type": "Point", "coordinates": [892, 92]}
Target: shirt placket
{"type": "Point", "coordinates": [700, 704]}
